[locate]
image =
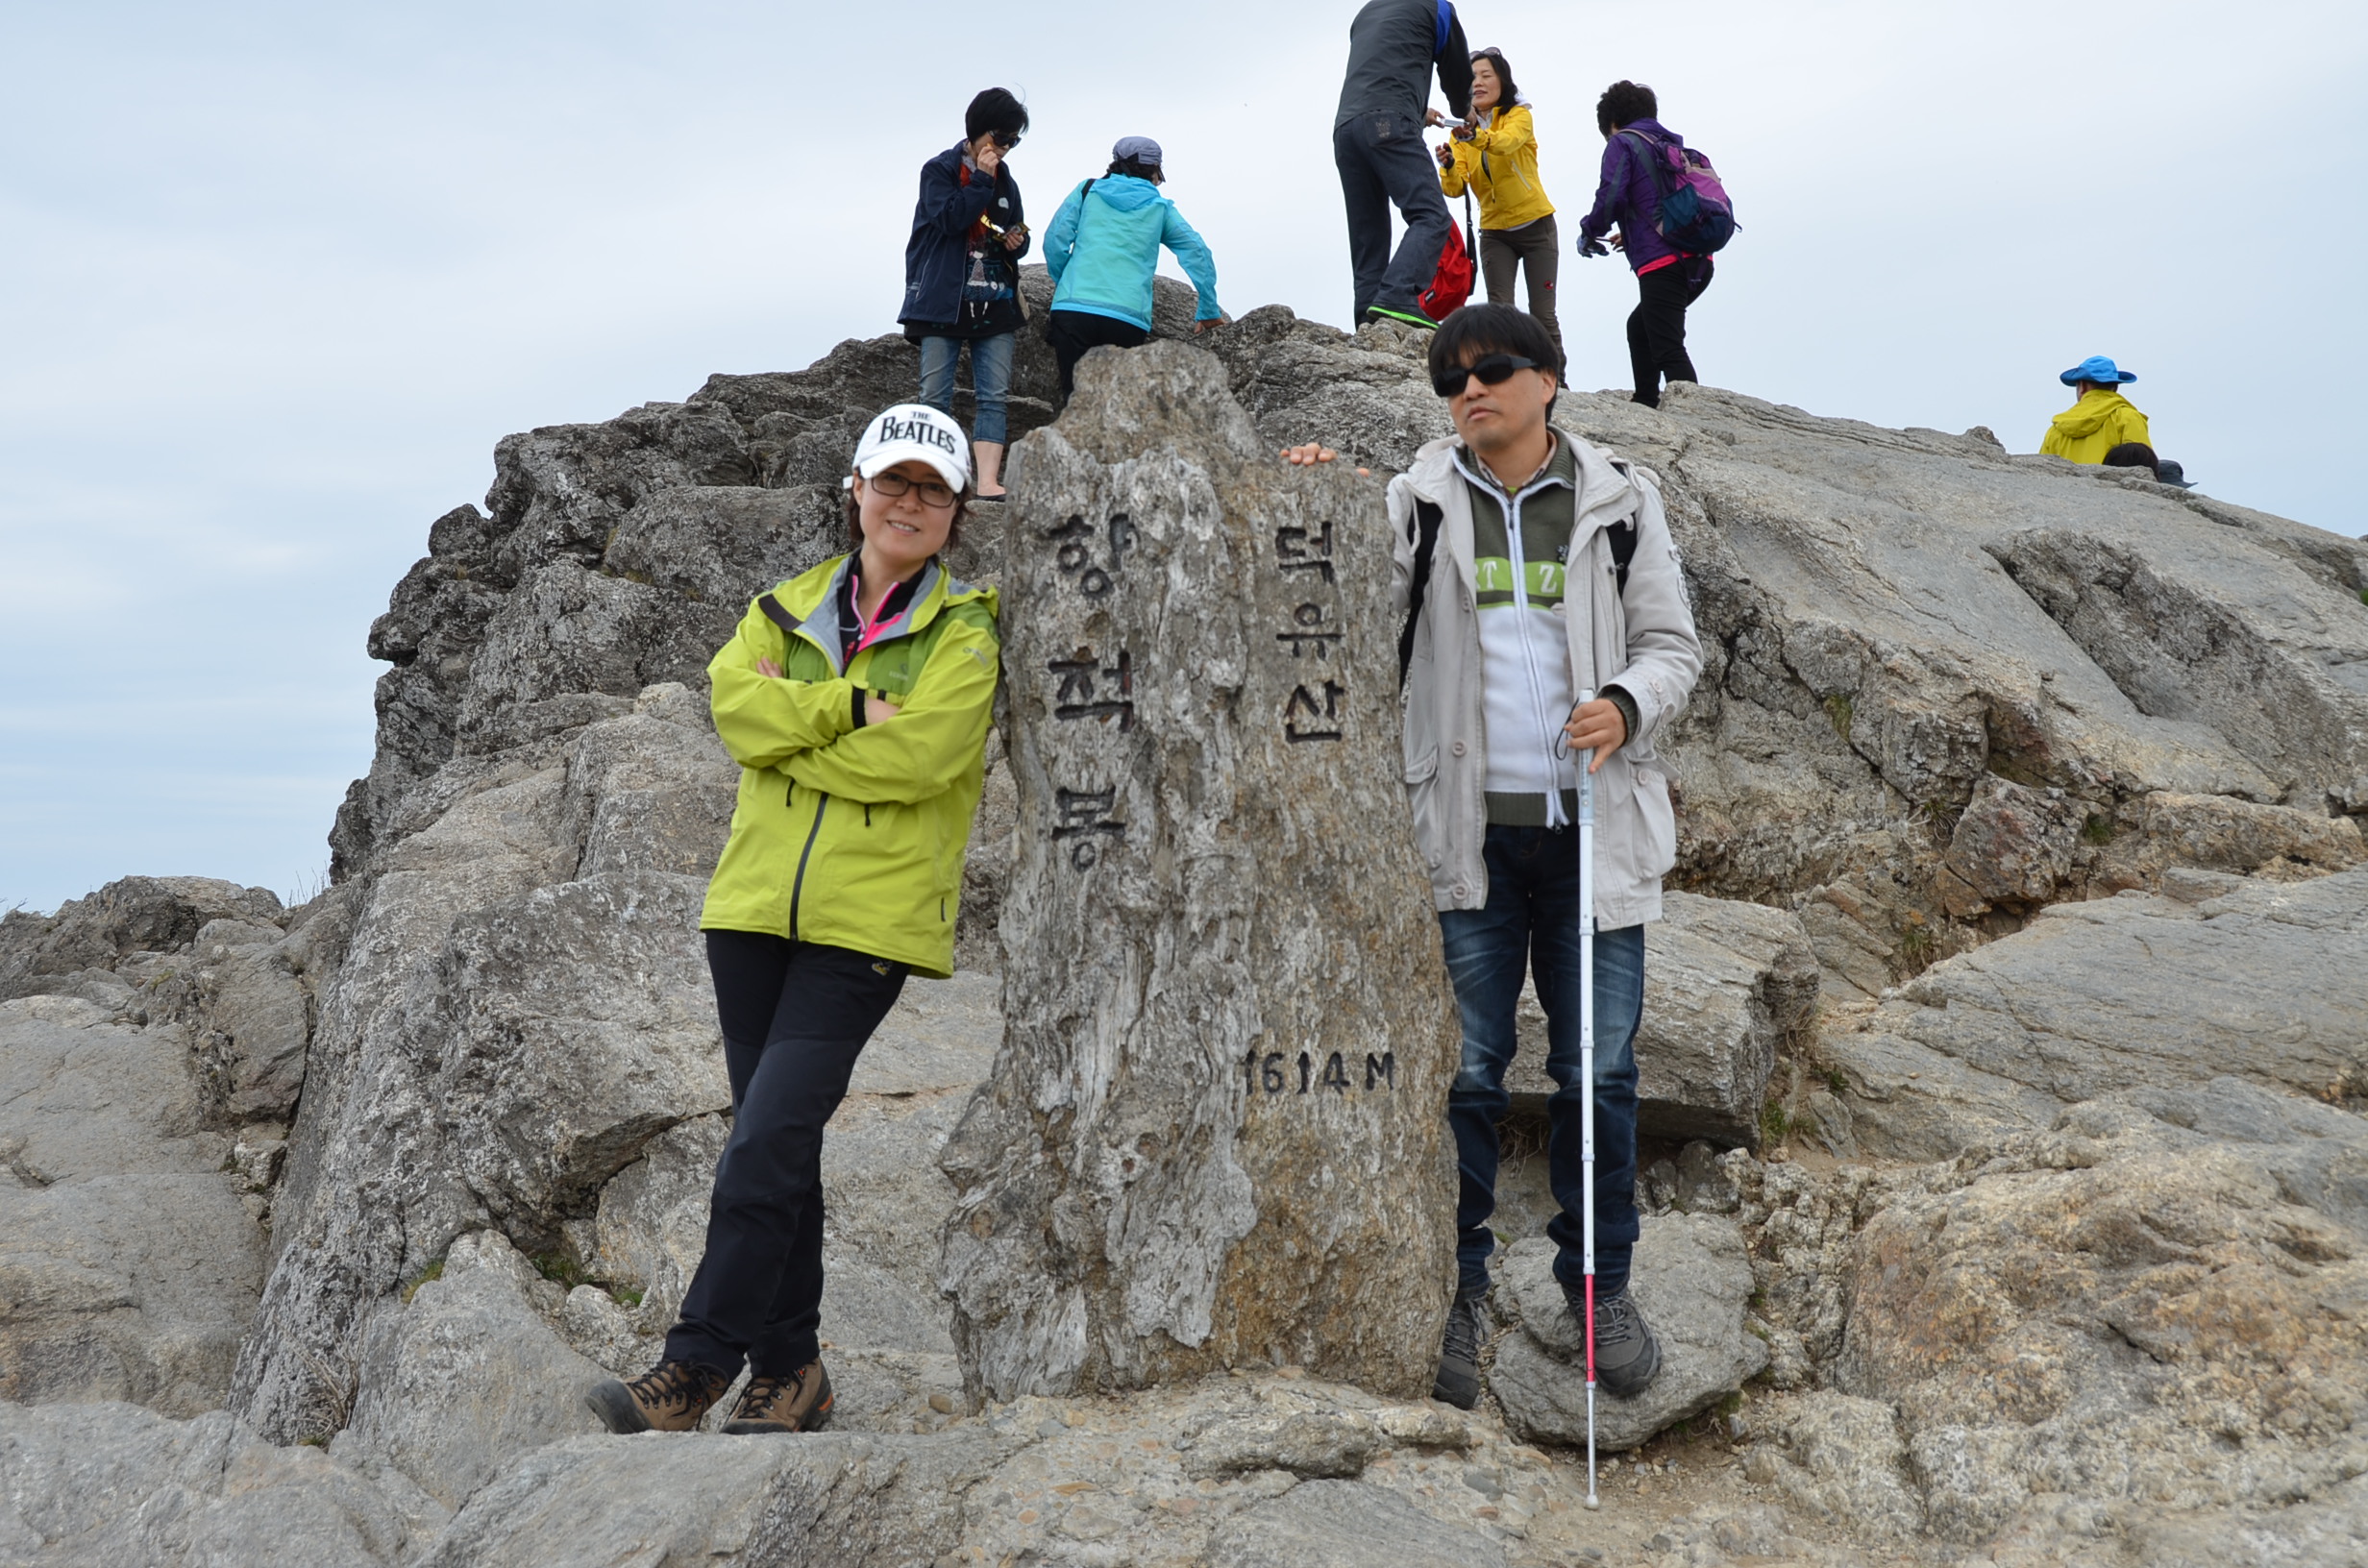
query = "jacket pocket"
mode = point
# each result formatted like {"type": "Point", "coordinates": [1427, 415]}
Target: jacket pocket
{"type": "Point", "coordinates": [1657, 843]}
{"type": "Point", "coordinates": [1423, 803]}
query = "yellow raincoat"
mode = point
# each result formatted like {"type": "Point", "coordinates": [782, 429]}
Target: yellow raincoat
{"type": "Point", "coordinates": [2093, 426]}
{"type": "Point", "coordinates": [1499, 165]}
{"type": "Point", "coordinates": [846, 834]}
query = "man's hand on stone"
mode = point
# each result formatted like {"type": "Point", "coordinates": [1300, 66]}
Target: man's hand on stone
{"type": "Point", "coordinates": [1596, 726]}
{"type": "Point", "coordinates": [1313, 452]}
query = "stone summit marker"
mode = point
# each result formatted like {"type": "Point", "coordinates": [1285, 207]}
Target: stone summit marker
{"type": "Point", "coordinates": [1215, 1133]}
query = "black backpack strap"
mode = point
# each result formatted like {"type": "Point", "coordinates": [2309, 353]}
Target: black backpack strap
{"type": "Point", "coordinates": [1427, 544]}
{"type": "Point", "coordinates": [1623, 537]}
{"type": "Point", "coordinates": [779, 616]}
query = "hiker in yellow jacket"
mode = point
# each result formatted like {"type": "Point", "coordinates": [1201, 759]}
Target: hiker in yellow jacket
{"type": "Point", "coordinates": [856, 699]}
{"type": "Point", "coordinates": [1494, 157]}
{"type": "Point", "coordinates": [2102, 420]}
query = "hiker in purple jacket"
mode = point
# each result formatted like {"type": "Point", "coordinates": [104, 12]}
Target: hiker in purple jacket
{"type": "Point", "coordinates": [1667, 281]}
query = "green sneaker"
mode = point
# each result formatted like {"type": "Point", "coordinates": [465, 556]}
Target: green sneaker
{"type": "Point", "coordinates": [1404, 318]}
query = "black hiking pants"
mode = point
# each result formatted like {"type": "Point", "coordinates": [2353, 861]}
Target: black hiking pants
{"type": "Point", "coordinates": [1382, 162]}
{"type": "Point", "coordinates": [1073, 333]}
{"type": "Point", "coordinates": [1657, 327]}
{"type": "Point", "coordinates": [796, 1014]}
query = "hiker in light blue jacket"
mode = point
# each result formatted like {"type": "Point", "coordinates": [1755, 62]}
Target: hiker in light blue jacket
{"type": "Point", "coordinates": [1101, 251]}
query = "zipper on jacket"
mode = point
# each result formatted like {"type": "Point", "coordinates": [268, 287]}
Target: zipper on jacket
{"type": "Point", "coordinates": [797, 890]}
{"type": "Point", "coordinates": [1512, 510]}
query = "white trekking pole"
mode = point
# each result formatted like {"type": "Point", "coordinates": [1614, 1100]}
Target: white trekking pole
{"type": "Point", "coordinates": [1586, 1077]}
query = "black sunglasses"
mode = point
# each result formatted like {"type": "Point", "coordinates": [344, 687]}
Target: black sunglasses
{"type": "Point", "coordinates": [1492, 369]}
{"type": "Point", "coordinates": [1004, 140]}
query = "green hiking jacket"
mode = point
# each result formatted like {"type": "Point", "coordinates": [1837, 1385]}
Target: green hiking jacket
{"type": "Point", "coordinates": [849, 834]}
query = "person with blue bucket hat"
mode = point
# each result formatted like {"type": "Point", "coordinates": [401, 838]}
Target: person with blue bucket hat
{"type": "Point", "coordinates": [2102, 420]}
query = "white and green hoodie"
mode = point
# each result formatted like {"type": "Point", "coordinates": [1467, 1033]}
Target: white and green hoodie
{"type": "Point", "coordinates": [1480, 700]}
{"type": "Point", "coordinates": [1521, 543]}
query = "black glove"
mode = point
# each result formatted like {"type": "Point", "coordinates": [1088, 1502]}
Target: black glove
{"type": "Point", "coordinates": [1590, 245]}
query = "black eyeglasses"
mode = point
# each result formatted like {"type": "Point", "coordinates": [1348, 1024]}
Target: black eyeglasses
{"type": "Point", "coordinates": [1492, 369]}
{"type": "Point", "coordinates": [1005, 140]}
{"type": "Point", "coordinates": [933, 493]}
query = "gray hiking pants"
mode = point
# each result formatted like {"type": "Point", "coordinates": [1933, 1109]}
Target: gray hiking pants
{"type": "Point", "coordinates": [1536, 247]}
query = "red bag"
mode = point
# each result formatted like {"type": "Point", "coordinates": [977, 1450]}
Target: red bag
{"type": "Point", "coordinates": [1451, 285]}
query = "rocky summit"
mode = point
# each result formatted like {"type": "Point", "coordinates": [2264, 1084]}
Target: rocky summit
{"type": "Point", "coordinates": [2002, 1066]}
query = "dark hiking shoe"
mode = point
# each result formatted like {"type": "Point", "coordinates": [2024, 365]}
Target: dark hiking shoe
{"type": "Point", "coordinates": [1404, 318]}
{"type": "Point", "coordinates": [798, 1402]}
{"type": "Point", "coordinates": [1458, 1383]}
{"type": "Point", "coordinates": [671, 1397]}
{"type": "Point", "coordinates": [1627, 1355]}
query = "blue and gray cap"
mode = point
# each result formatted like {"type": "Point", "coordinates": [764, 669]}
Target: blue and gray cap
{"type": "Point", "coordinates": [1137, 149]}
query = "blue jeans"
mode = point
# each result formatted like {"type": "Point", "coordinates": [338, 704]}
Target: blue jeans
{"type": "Point", "coordinates": [990, 378]}
{"type": "Point", "coordinates": [1532, 919]}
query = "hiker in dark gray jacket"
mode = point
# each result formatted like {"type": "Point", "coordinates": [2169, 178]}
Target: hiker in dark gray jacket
{"type": "Point", "coordinates": [1393, 46]}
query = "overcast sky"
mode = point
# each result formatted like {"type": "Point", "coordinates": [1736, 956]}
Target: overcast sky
{"type": "Point", "coordinates": [276, 277]}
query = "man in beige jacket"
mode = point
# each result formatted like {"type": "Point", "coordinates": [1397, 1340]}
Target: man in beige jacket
{"type": "Point", "coordinates": [1536, 566]}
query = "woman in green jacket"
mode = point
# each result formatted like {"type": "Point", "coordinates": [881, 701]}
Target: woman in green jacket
{"type": "Point", "coordinates": [856, 699]}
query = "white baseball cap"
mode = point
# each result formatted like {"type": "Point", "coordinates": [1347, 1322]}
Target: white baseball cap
{"type": "Point", "coordinates": [910, 430]}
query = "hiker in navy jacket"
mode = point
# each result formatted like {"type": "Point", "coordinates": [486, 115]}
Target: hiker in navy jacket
{"type": "Point", "coordinates": [962, 273]}
{"type": "Point", "coordinates": [1393, 46]}
{"type": "Point", "coordinates": [1666, 280]}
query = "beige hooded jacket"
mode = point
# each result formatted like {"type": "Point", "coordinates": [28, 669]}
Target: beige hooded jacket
{"type": "Point", "coordinates": [1642, 641]}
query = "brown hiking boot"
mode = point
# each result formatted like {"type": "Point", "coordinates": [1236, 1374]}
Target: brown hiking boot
{"type": "Point", "coordinates": [670, 1397]}
{"type": "Point", "coordinates": [798, 1402]}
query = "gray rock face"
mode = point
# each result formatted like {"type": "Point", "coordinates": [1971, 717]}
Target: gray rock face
{"type": "Point", "coordinates": [1215, 1133]}
{"type": "Point", "coordinates": [522, 1008]}
{"type": "Point", "coordinates": [466, 1376]}
{"type": "Point", "coordinates": [252, 1022]}
{"type": "Point", "coordinates": [1311, 1444]}
{"type": "Point", "coordinates": [2012, 847]}
{"type": "Point", "coordinates": [2119, 991]}
{"type": "Point", "coordinates": [135, 915]}
{"type": "Point", "coordinates": [128, 1263]}
{"type": "Point", "coordinates": [1344, 1524]}
{"type": "Point", "coordinates": [1691, 1277]}
{"type": "Point", "coordinates": [864, 1502]}
{"type": "Point", "coordinates": [2146, 1310]}
{"type": "Point", "coordinates": [105, 1484]}
{"type": "Point", "coordinates": [1729, 988]}
{"type": "Point", "coordinates": [2187, 642]}
{"type": "Point", "coordinates": [1841, 1459]}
